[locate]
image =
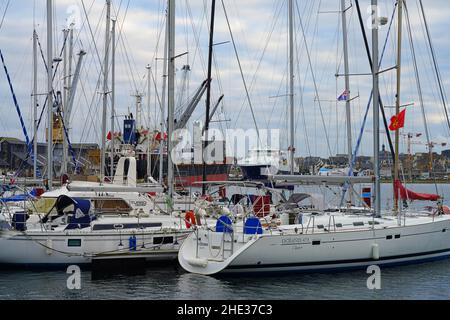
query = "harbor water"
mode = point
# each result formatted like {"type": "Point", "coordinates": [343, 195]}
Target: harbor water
{"type": "Point", "coordinates": [422, 281]}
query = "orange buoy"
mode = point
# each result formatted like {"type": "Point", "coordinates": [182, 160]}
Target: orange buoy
{"type": "Point", "coordinates": [190, 219]}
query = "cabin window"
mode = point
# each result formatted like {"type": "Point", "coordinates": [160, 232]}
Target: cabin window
{"type": "Point", "coordinates": [320, 226]}
{"type": "Point", "coordinates": [389, 238]}
{"type": "Point", "coordinates": [373, 223]}
{"type": "Point", "coordinates": [358, 224]}
{"type": "Point", "coordinates": [397, 236]}
{"type": "Point", "coordinates": [162, 240]}
{"type": "Point", "coordinates": [316, 243]}
{"type": "Point", "coordinates": [74, 243]}
{"type": "Point", "coordinates": [338, 225]}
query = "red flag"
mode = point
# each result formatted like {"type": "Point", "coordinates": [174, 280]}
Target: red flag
{"type": "Point", "coordinates": [109, 136]}
{"type": "Point", "coordinates": [398, 122]}
{"type": "Point", "coordinates": [158, 136]}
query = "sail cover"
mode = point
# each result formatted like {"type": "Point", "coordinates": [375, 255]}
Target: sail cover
{"type": "Point", "coordinates": [406, 194]}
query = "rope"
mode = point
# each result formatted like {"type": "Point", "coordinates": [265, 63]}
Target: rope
{"type": "Point", "coordinates": [314, 81]}
{"type": "Point", "coordinates": [4, 14]}
{"type": "Point", "coordinates": [361, 133]}
{"type": "Point", "coordinates": [240, 69]}
{"type": "Point", "coordinates": [16, 103]}
{"type": "Point", "coordinates": [436, 67]}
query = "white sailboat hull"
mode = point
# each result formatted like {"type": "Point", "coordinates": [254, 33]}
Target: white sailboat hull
{"type": "Point", "coordinates": [84, 247]}
{"type": "Point", "coordinates": [322, 251]}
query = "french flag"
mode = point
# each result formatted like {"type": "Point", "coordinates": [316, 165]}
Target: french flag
{"type": "Point", "coordinates": [344, 96]}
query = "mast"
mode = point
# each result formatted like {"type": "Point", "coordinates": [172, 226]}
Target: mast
{"type": "Point", "coordinates": [50, 93]}
{"type": "Point", "coordinates": [105, 89]}
{"type": "Point", "coordinates": [64, 104]}
{"type": "Point", "coordinates": [397, 101]}
{"type": "Point", "coordinates": [67, 94]}
{"type": "Point", "coordinates": [113, 93]}
{"type": "Point", "coordinates": [149, 143]}
{"type": "Point", "coordinates": [35, 103]}
{"type": "Point", "coordinates": [376, 110]}
{"type": "Point", "coordinates": [208, 93]}
{"type": "Point", "coordinates": [291, 80]}
{"type": "Point", "coordinates": [171, 91]}
{"type": "Point", "coordinates": [347, 87]}
{"type": "Point", "coordinates": [163, 103]}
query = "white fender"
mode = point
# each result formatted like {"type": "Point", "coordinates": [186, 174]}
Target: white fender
{"type": "Point", "coordinates": [375, 251]}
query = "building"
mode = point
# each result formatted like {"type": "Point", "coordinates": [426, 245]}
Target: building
{"type": "Point", "coordinates": [14, 157]}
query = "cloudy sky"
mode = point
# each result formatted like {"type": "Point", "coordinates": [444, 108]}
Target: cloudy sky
{"type": "Point", "coordinates": [260, 30]}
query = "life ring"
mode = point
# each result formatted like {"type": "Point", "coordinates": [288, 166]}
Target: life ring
{"type": "Point", "coordinates": [190, 219]}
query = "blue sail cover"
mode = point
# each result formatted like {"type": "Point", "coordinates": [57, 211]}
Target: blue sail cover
{"type": "Point", "coordinates": [83, 205]}
{"type": "Point", "coordinates": [17, 198]}
{"type": "Point", "coordinates": [81, 218]}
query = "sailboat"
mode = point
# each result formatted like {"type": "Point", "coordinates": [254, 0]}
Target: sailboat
{"type": "Point", "coordinates": [91, 222]}
{"type": "Point", "coordinates": [318, 240]}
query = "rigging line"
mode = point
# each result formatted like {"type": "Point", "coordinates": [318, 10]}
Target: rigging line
{"type": "Point", "coordinates": [124, 41]}
{"type": "Point", "coordinates": [4, 14]}
{"type": "Point", "coordinates": [241, 71]}
{"type": "Point", "coordinates": [90, 31]}
{"type": "Point", "coordinates": [419, 89]}
{"type": "Point", "coordinates": [54, 75]}
{"type": "Point", "coordinates": [314, 81]}
{"type": "Point", "coordinates": [369, 56]}
{"type": "Point", "coordinates": [436, 66]}
{"type": "Point", "coordinates": [303, 88]}
{"type": "Point", "coordinates": [361, 133]}
{"type": "Point", "coordinates": [269, 37]}
{"type": "Point", "coordinates": [91, 43]}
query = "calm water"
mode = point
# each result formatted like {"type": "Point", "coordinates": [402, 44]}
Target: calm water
{"type": "Point", "coordinates": [423, 281]}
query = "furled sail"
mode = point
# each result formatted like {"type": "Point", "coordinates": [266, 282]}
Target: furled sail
{"type": "Point", "coordinates": [406, 194]}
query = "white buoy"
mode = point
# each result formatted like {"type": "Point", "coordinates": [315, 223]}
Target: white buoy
{"type": "Point", "coordinates": [375, 251]}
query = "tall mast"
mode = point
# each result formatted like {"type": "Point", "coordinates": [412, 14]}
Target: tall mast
{"type": "Point", "coordinates": [113, 94]}
{"type": "Point", "coordinates": [291, 87]}
{"type": "Point", "coordinates": [347, 87]}
{"type": "Point", "coordinates": [376, 110]}
{"type": "Point", "coordinates": [35, 103]}
{"type": "Point", "coordinates": [50, 93]}
{"type": "Point", "coordinates": [105, 89]}
{"type": "Point", "coordinates": [163, 103]}
{"type": "Point", "coordinates": [397, 101]}
{"type": "Point", "coordinates": [68, 57]}
{"type": "Point", "coordinates": [171, 89]}
{"type": "Point", "coordinates": [149, 142]}
{"type": "Point", "coordinates": [65, 102]}
{"type": "Point", "coordinates": [208, 94]}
